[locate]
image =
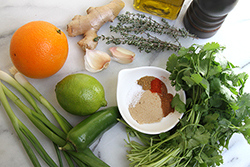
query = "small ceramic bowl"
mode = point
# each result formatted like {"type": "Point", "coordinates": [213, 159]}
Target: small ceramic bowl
{"type": "Point", "coordinates": [127, 87]}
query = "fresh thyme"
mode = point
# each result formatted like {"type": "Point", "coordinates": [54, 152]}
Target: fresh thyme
{"type": "Point", "coordinates": [137, 29]}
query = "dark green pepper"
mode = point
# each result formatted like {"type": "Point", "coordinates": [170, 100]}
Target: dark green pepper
{"type": "Point", "coordinates": [85, 133]}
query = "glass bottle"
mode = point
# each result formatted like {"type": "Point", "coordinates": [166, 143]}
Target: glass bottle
{"type": "Point", "coordinates": [205, 17]}
{"type": "Point", "coordinates": [168, 9]}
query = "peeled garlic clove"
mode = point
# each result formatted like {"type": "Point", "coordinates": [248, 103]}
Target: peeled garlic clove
{"type": "Point", "coordinates": [122, 55]}
{"type": "Point", "coordinates": [96, 60]}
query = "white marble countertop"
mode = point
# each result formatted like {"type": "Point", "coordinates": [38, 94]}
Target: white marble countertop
{"type": "Point", "coordinates": [110, 147]}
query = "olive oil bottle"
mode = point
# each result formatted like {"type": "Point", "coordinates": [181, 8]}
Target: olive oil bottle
{"type": "Point", "coordinates": [168, 9]}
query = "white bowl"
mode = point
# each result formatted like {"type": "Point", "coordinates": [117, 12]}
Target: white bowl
{"type": "Point", "coordinates": [126, 87]}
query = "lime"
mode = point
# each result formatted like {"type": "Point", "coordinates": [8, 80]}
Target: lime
{"type": "Point", "coordinates": [80, 94]}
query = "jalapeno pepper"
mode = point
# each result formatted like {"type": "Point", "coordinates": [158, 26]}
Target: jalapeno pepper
{"type": "Point", "coordinates": [85, 133]}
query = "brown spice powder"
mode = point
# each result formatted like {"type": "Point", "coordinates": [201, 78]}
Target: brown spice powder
{"type": "Point", "coordinates": [166, 99]}
{"type": "Point", "coordinates": [147, 109]}
{"type": "Point", "coordinates": [145, 82]}
{"type": "Point", "coordinates": [152, 106]}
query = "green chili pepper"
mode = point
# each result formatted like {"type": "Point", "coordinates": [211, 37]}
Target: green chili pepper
{"type": "Point", "coordinates": [84, 134]}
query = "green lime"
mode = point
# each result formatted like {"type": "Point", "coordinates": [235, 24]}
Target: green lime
{"type": "Point", "coordinates": [80, 94]}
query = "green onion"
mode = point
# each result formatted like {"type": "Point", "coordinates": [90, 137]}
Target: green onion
{"type": "Point", "coordinates": [68, 159]}
{"type": "Point", "coordinates": [25, 134]}
{"type": "Point", "coordinates": [65, 125]}
{"type": "Point", "coordinates": [7, 78]}
{"type": "Point", "coordinates": [88, 158]}
{"type": "Point", "coordinates": [58, 153]}
{"type": "Point", "coordinates": [85, 158]}
{"type": "Point", "coordinates": [49, 129]}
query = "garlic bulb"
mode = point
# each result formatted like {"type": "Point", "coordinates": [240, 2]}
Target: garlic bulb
{"type": "Point", "coordinates": [96, 60]}
{"type": "Point", "coordinates": [122, 55]}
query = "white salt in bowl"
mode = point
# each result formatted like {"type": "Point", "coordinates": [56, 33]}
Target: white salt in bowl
{"type": "Point", "coordinates": [127, 88]}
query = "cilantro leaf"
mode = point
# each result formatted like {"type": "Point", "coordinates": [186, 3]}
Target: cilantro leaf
{"type": "Point", "coordinates": [178, 104]}
{"type": "Point", "coordinates": [171, 63]}
{"type": "Point", "coordinates": [212, 46]}
{"type": "Point", "coordinates": [216, 108]}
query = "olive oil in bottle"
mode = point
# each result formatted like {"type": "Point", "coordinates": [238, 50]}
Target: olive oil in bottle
{"type": "Point", "coordinates": [168, 9]}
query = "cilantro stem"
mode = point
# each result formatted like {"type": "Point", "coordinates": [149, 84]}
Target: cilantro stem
{"type": "Point", "coordinates": [216, 108]}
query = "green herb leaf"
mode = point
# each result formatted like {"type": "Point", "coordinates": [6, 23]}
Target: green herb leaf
{"type": "Point", "coordinates": [178, 104]}
{"type": "Point", "coordinates": [171, 63]}
{"type": "Point", "coordinates": [213, 46]}
{"type": "Point", "coordinates": [216, 108]}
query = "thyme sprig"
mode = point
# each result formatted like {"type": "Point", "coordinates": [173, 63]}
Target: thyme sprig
{"type": "Point", "coordinates": [137, 29]}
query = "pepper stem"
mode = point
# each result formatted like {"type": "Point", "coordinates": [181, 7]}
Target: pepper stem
{"type": "Point", "coordinates": [68, 147]}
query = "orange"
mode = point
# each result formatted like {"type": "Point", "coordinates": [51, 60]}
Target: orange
{"type": "Point", "coordinates": [38, 49]}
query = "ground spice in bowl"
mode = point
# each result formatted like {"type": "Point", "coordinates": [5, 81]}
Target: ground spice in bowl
{"type": "Point", "coordinates": [154, 103]}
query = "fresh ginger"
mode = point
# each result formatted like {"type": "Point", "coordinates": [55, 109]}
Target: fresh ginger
{"type": "Point", "coordinates": [89, 24]}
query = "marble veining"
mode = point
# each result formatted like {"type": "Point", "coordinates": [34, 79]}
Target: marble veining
{"type": "Point", "coordinates": [110, 147]}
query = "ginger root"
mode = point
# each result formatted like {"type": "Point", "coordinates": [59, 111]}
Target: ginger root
{"type": "Point", "coordinates": [89, 24]}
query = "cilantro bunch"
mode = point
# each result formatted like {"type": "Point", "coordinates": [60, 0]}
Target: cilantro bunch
{"type": "Point", "coordinates": [216, 108]}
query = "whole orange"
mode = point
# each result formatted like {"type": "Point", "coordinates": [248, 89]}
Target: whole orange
{"type": "Point", "coordinates": [38, 49]}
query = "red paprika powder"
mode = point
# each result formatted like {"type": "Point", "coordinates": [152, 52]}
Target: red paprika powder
{"type": "Point", "coordinates": [155, 85]}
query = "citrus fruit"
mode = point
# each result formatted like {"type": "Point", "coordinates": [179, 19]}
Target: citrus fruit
{"type": "Point", "coordinates": [38, 49]}
{"type": "Point", "coordinates": [80, 94]}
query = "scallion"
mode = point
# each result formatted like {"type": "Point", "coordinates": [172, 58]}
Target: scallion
{"type": "Point", "coordinates": [25, 134]}
{"type": "Point", "coordinates": [38, 118]}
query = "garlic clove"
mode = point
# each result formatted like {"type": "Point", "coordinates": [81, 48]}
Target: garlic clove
{"type": "Point", "coordinates": [96, 60]}
{"type": "Point", "coordinates": [122, 55]}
